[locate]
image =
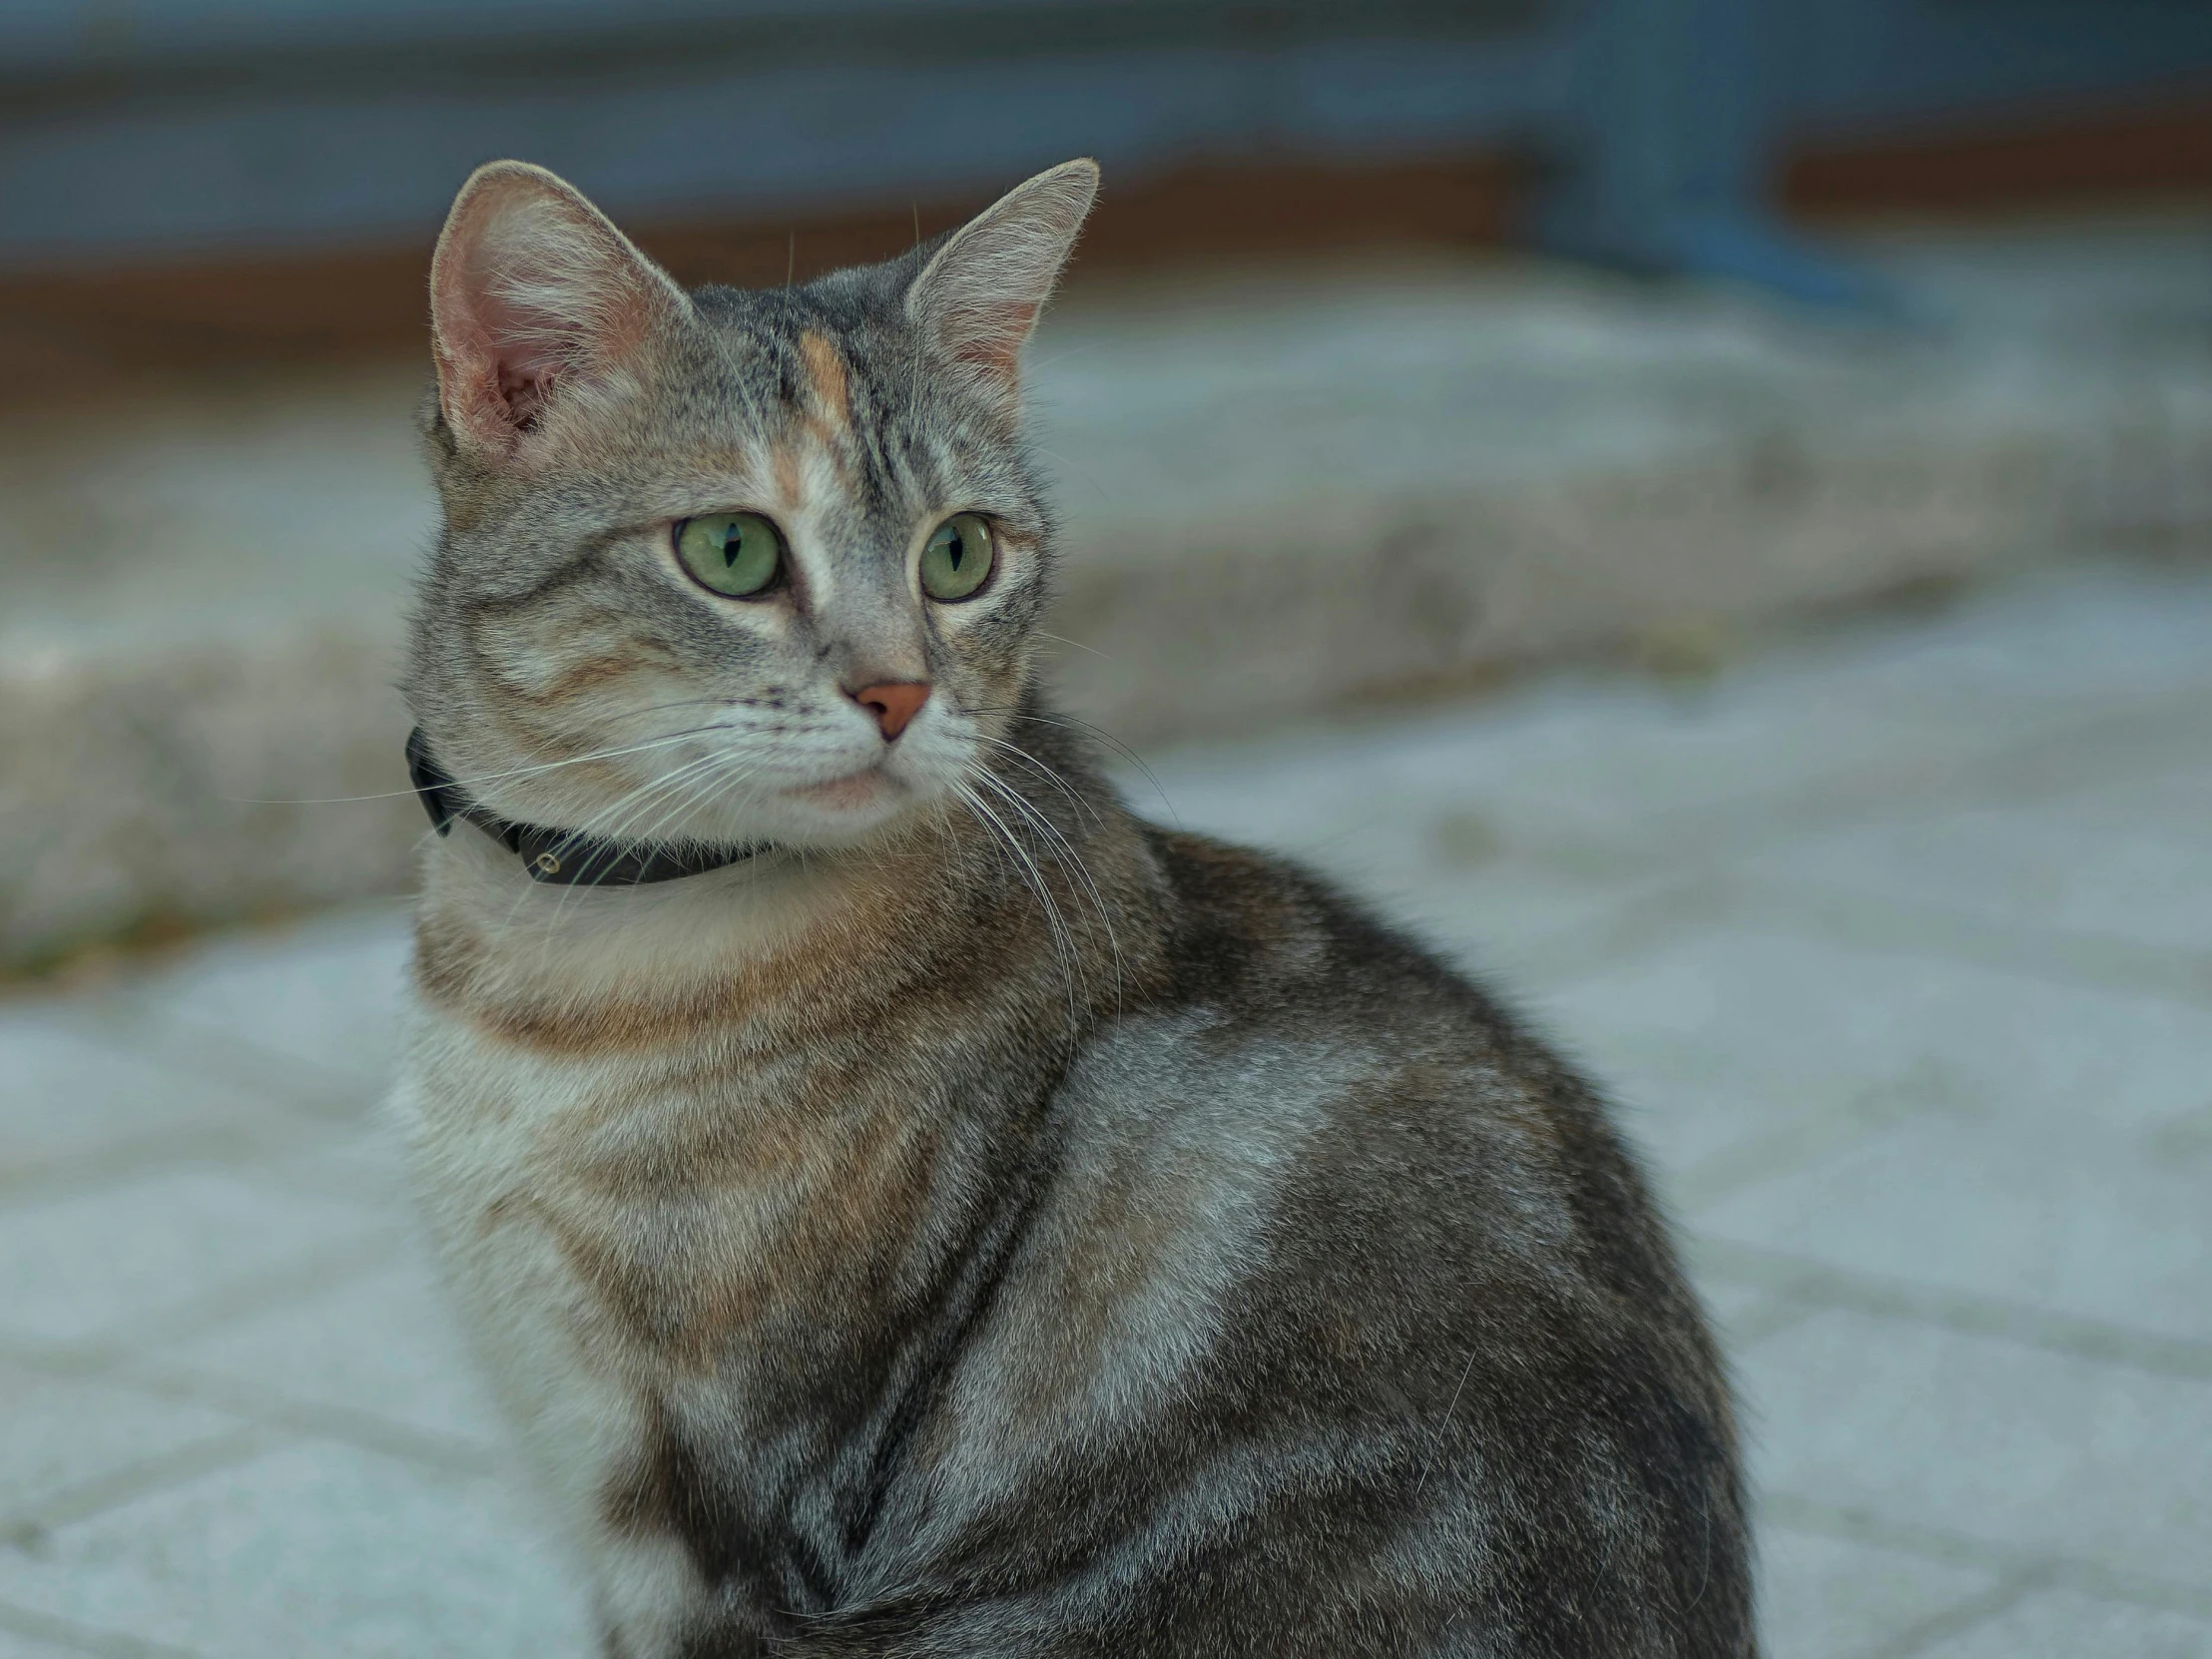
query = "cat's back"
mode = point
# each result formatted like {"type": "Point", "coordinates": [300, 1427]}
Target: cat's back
{"type": "Point", "coordinates": [1303, 1059]}
{"type": "Point", "coordinates": [1342, 1274]}
{"type": "Point", "coordinates": [1306, 993]}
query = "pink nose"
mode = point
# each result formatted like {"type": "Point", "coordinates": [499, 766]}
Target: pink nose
{"type": "Point", "coordinates": [894, 704]}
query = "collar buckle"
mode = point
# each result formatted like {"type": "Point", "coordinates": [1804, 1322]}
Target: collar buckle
{"type": "Point", "coordinates": [559, 857]}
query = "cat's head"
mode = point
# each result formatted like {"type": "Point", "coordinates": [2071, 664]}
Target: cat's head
{"type": "Point", "coordinates": [728, 565]}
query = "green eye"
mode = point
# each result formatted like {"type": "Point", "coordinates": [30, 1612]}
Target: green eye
{"type": "Point", "coordinates": [956, 560]}
{"type": "Point", "coordinates": [739, 554]}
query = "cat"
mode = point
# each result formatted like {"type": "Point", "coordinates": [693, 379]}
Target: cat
{"type": "Point", "coordinates": [905, 1202]}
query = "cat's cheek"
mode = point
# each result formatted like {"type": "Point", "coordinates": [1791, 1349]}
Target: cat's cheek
{"type": "Point", "coordinates": [989, 645]}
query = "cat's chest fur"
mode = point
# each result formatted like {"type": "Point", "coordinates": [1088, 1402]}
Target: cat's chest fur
{"type": "Point", "coordinates": [639, 1214]}
{"type": "Point", "coordinates": [655, 1245]}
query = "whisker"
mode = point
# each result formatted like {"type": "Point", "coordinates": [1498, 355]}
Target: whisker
{"type": "Point", "coordinates": [668, 789]}
{"type": "Point", "coordinates": [1078, 644]}
{"type": "Point", "coordinates": [498, 777]}
{"type": "Point", "coordinates": [1077, 466]}
{"type": "Point", "coordinates": [1071, 352]}
{"type": "Point", "coordinates": [613, 814]}
{"type": "Point", "coordinates": [1063, 938]}
{"type": "Point", "coordinates": [1075, 723]}
{"type": "Point", "coordinates": [617, 812]}
{"type": "Point", "coordinates": [680, 789]}
{"type": "Point", "coordinates": [1067, 856]}
{"type": "Point", "coordinates": [1063, 941]}
{"type": "Point", "coordinates": [678, 703]}
{"type": "Point", "coordinates": [1051, 777]}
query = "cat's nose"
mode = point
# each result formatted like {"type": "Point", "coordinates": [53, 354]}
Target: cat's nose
{"type": "Point", "coordinates": [895, 703]}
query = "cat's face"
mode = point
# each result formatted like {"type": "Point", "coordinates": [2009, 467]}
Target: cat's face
{"type": "Point", "coordinates": [729, 566]}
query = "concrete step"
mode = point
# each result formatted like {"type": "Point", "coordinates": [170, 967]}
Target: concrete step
{"type": "Point", "coordinates": [1285, 492]}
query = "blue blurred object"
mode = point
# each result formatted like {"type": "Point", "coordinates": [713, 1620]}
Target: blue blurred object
{"type": "Point", "coordinates": [157, 128]}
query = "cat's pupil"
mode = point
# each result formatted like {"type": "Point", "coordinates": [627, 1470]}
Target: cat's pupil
{"type": "Point", "coordinates": [955, 549]}
{"type": "Point", "coordinates": [733, 543]}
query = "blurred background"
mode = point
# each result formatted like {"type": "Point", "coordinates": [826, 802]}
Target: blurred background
{"type": "Point", "coordinates": [1700, 506]}
{"type": "Point", "coordinates": [1918, 289]}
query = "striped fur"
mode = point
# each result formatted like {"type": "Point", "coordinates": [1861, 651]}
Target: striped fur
{"type": "Point", "coordinates": [993, 1226]}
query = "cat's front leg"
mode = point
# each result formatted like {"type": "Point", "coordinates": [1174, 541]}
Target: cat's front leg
{"type": "Point", "coordinates": [582, 1427]}
{"type": "Point", "coordinates": [646, 1598]}
{"type": "Point", "coordinates": [584, 1435]}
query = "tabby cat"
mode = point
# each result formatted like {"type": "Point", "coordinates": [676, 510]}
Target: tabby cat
{"type": "Point", "coordinates": [905, 1202]}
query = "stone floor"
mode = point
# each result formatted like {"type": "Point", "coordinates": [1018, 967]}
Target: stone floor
{"type": "Point", "coordinates": [1895, 945]}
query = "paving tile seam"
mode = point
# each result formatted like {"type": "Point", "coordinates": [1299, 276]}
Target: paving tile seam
{"type": "Point", "coordinates": [373, 1247]}
{"type": "Point", "coordinates": [1790, 1148]}
{"type": "Point", "coordinates": [101, 1644]}
{"type": "Point", "coordinates": [228, 1139]}
{"type": "Point", "coordinates": [1632, 927]}
{"type": "Point", "coordinates": [2146, 736]}
{"type": "Point", "coordinates": [312, 1419]}
{"type": "Point", "coordinates": [1854, 1524]}
{"type": "Point", "coordinates": [23, 1528]}
{"type": "Point", "coordinates": [1859, 916]}
{"type": "Point", "coordinates": [1769, 1317]}
{"type": "Point", "coordinates": [2187, 1136]}
{"type": "Point", "coordinates": [1917, 1638]}
{"type": "Point", "coordinates": [1966, 1313]}
{"type": "Point", "coordinates": [1708, 839]}
{"type": "Point", "coordinates": [288, 1161]}
{"type": "Point", "coordinates": [307, 1419]}
{"type": "Point", "coordinates": [318, 1092]}
{"type": "Point", "coordinates": [267, 1169]}
{"type": "Point", "coordinates": [1722, 891]}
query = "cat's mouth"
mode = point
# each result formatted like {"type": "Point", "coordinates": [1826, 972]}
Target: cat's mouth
{"type": "Point", "coordinates": [850, 793]}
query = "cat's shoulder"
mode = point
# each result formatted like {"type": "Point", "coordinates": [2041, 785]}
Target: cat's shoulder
{"type": "Point", "coordinates": [1258, 932]}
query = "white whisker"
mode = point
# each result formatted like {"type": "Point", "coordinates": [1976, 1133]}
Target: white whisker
{"type": "Point", "coordinates": [497, 777]}
{"type": "Point", "coordinates": [1063, 941]}
{"type": "Point", "coordinates": [616, 812]}
{"type": "Point", "coordinates": [1066, 853]}
{"type": "Point", "coordinates": [1051, 777]}
{"type": "Point", "coordinates": [1074, 723]}
{"type": "Point", "coordinates": [671, 787]}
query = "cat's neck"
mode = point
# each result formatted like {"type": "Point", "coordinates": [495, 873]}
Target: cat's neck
{"type": "Point", "coordinates": [494, 943]}
{"type": "Point", "coordinates": [771, 946]}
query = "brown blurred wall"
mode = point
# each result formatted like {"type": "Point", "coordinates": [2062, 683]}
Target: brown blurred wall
{"type": "Point", "coordinates": [84, 333]}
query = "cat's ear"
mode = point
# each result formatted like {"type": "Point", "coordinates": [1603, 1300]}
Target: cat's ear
{"type": "Point", "coordinates": [979, 296]}
{"type": "Point", "coordinates": [535, 298]}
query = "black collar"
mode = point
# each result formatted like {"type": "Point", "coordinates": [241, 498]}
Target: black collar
{"type": "Point", "coordinates": [563, 858]}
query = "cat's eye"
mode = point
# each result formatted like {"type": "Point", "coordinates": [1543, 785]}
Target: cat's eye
{"type": "Point", "coordinates": [957, 559]}
{"type": "Point", "coordinates": [739, 554]}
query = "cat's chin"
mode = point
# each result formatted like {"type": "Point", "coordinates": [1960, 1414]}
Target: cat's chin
{"type": "Point", "coordinates": [837, 812]}
{"type": "Point", "coordinates": [868, 792]}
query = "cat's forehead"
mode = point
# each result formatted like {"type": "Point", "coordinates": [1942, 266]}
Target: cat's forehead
{"type": "Point", "coordinates": [783, 365]}
{"type": "Point", "coordinates": [785, 340]}
{"type": "Point", "coordinates": [828, 391]}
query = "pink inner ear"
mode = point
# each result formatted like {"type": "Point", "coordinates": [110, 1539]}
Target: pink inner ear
{"type": "Point", "coordinates": [526, 378]}
{"type": "Point", "coordinates": [535, 298]}
{"type": "Point", "coordinates": [500, 359]}
{"type": "Point", "coordinates": [506, 359]}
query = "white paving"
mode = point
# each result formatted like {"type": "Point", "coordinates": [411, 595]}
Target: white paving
{"type": "Point", "coordinates": [1895, 945]}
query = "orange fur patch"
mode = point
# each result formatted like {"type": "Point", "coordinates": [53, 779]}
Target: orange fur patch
{"type": "Point", "coordinates": [782, 462]}
{"type": "Point", "coordinates": [826, 379]}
